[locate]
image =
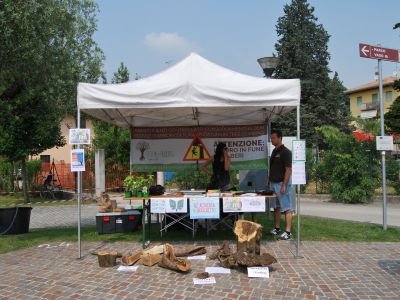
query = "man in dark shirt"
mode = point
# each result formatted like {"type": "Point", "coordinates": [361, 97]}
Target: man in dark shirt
{"type": "Point", "coordinates": [279, 181]}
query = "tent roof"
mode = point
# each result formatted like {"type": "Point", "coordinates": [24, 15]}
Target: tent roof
{"type": "Point", "coordinates": [194, 91]}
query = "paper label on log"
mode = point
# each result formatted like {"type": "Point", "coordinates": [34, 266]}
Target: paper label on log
{"type": "Point", "coordinates": [258, 272]}
{"type": "Point", "coordinates": [218, 270]}
{"type": "Point", "coordinates": [209, 280]}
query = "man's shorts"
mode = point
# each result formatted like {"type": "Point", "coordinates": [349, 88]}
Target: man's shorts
{"type": "Point", "coordinates": [283, 201]}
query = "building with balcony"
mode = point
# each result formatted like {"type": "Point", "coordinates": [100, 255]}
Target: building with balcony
{"type": "Point", "coordinates": [364, 99]}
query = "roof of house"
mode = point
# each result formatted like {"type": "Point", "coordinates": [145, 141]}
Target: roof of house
{"type": "Point", "coordinates": [372, 85]}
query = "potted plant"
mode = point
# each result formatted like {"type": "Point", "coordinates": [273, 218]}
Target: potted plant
{"type": "Point", "coordinates": [129, 183]}
{"type": "Point", "coordinates": [138, 185]}
{"type": "Point", "coordinates": [147, 182]}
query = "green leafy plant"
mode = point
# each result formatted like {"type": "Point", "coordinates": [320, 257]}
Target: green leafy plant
{"type": "Point", "coordinates": [129, 183]}
{"type": "Point", "coordinates": [138, 182]}
{"type": "Point", "coordinates": [349, 166]}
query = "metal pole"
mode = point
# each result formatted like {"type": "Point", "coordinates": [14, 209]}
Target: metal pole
{"type": "Point", "coordinates": [383, 153]}
{"type": "Point", "coordinates": [298, 192]}
{"type": "Point", "coordinates": [79, 191]}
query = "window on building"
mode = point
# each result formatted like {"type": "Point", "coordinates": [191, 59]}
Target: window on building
{"type": "Point", "coordinates": [359, 101]}
{"type": "Point", "coordinates": [45, 158]}
{"type": "Point", "coordinates": [375, 98]}
{"type": "Point", "coordinates": [389, 96]}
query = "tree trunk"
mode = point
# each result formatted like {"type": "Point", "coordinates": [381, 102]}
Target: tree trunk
{"type": "Point", "coordinates": [25, 181]}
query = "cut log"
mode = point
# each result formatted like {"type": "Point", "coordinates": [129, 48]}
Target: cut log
{"type": "Point", "coordinates": [190, 251]}
{"type": "Point", "coordinates": [170, 261]}
{"type": "Point", "coordinates": [155, 250]}
{"type": "Point", "coordinates": [248, 237]}
{"type": "Point", "coordinates": [202, 275]}
{"type": "Point", "coordinates": [223, 250]}
{"type": "Point", "coordinates": [151, 259]}
{"type": "Point", "coordinates": [243, 259]}
{"type": "Point", "coordinates": [129, 260]}
{"type": "Point", "coordinates": [107, 259]}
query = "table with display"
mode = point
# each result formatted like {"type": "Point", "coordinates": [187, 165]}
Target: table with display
{"type": "Point", "coordinates": [186, 209]}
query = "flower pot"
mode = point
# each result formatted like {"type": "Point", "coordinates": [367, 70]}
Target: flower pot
{"type": "Point", "coordinates": [128, 194]}
{"type": "Point", "coordinates": [145, 194]}
{"type": "Point", "coordinates": [15, 220]}
{"type": "Point", "coordinates": [139, 194]}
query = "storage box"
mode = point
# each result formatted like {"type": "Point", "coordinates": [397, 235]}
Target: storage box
{"type": "Point", "coordinates": [118, 222]}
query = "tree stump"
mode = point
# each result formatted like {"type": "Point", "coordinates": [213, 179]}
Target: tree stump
{"type": "Point", "coordinates": [107, 259]}
{"type": "Point", "coordinates": [248, 237]}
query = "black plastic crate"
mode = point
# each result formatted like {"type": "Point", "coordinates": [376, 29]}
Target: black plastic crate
{"type": "Point", "coordinates": [118, 222]}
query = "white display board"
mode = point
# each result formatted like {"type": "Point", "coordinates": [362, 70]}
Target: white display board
{"type": "Point", "coordinates": [299, 173]}
{"type": "Point", "coordinates": [299, 150]}
{"type": "Point", "coordinates": [176, 205]}
{"type": "Point", "coordinates": [384, 143]}
{"type": "Point", "coordinates": [79, 136]}
{"type": "Point", "coordinates": [157, 205]}
{"type": "Point", "coordinates": [244, 204]}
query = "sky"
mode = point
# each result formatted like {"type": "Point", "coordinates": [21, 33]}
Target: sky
{"type": "Point", "coordinates": [148, 36]}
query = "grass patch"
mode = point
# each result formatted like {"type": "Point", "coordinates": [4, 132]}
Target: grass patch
{"type": "Point", "coordinates": [17, 200]}
{"type": "Point", "coordinates": [313, 229]}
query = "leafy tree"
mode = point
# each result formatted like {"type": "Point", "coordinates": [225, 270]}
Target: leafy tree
{"type": "Point", "coordinates": [113, 139]}
{"type": "Point", "coordinates": [349, 166]}
{"type": "Point", "coordinates": [302, 49]}
{"type": "Point", "coordinates": [46, 48]}
{"type": "Point", "coordinates": [392, 117]}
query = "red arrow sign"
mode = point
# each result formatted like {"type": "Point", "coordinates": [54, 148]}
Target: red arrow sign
{"type": "Point", "coordinates": [376, 52]}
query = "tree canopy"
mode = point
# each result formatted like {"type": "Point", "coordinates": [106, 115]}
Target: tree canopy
{"type": "Point", "coordinates": [302, 49]}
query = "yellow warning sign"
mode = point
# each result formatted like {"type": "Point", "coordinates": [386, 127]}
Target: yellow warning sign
{"type": "Point", "coordinates": [197, 150]}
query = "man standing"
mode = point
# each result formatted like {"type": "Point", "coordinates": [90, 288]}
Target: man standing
{"type": "Point", "coordinates": [279, 181]}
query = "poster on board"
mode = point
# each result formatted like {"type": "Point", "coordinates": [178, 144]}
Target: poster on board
{"type": "Point", "coordinates": [77, 160]}
{"type": "Point", "coordinates": [204, 207]}
{"type": "Point", "coordinates": [176, 205]}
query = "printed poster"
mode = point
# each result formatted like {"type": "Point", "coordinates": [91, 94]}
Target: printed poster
{"type": "Point", "coordinates": [157, 205]}
{"type": "Point", "coordinates": [244, 204]}
{"type": "Point", "coordinates": [79, 136]}
{"type": "Point", "coordinates": [77, 160]}
{"type": "Point", "coordinates": [176, 205]}
{"type": "Point", "coordinates": [299, 173]}
{"type": "Point", "coordinates": [176, 148]}
{"type": "Point", "coordinates": [204, 208]}
{"type": "Point", "coordinates": [299, 150]}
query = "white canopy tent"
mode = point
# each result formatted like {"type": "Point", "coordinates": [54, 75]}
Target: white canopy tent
{"type": "Point", "coordinates": [192, 92]}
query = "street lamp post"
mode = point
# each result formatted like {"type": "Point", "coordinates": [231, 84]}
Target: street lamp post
{"type": "Point", "coordinates": [268, 64]}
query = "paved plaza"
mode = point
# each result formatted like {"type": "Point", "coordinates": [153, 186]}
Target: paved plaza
{"type": "Point", "coordinates": [329, 270]}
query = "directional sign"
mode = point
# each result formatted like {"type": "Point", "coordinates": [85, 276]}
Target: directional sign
{"type": "Point", "coordinates": [376, 52]}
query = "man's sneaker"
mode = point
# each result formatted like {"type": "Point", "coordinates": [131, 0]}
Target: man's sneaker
{"type": "Point", "coordinates": [275, 231]}
{"type": "Point", "coordinates": [285, 236]}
